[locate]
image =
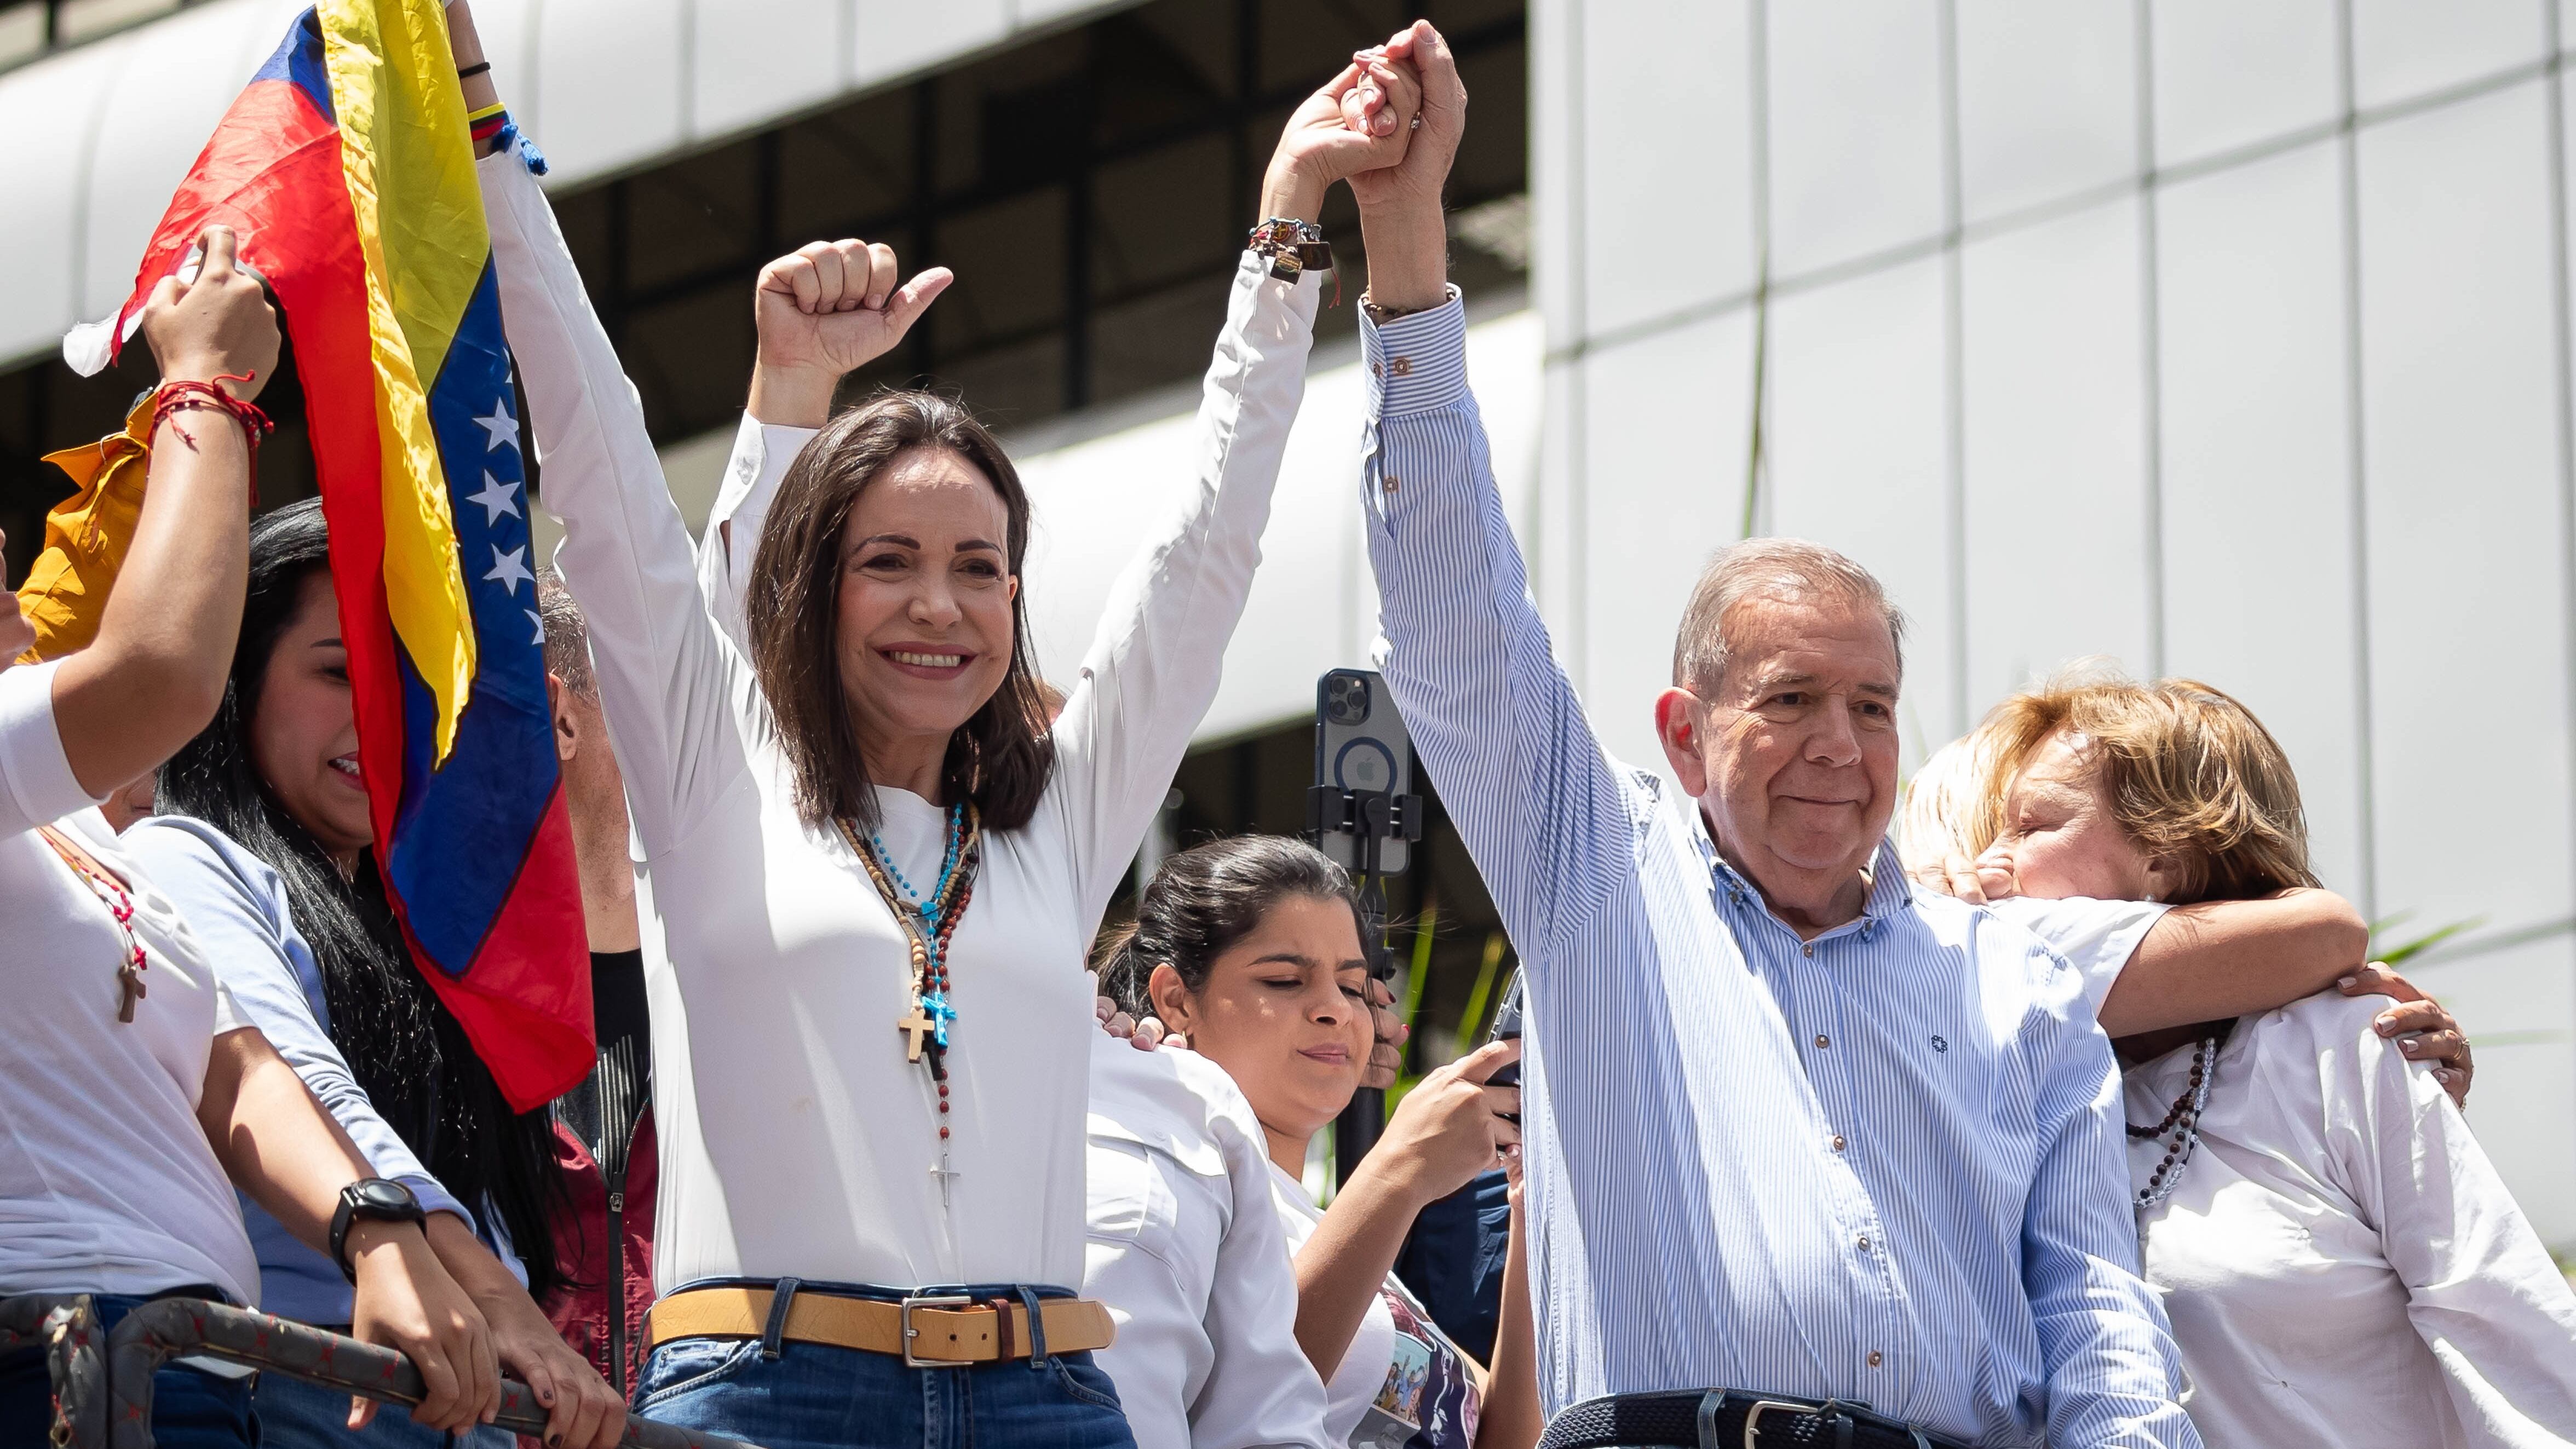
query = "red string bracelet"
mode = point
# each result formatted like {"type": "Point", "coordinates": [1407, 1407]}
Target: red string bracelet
{"type": "Point", "coordinates": [182, 394]}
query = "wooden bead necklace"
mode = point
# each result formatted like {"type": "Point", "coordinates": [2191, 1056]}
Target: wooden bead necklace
{"type": "Point", "coordinates": [927, 928]}
{"type": "Point", "coordinates": [2183, 1122]}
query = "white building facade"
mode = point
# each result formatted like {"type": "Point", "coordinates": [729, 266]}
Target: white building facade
{"type": "Point", "coordinates": [2223, 340]}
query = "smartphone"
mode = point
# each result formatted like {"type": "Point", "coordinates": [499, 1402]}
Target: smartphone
{"type": "Point", "coordinates": [1507, 1027]}
{"type": "Point", "coordinates": [1361, 744]}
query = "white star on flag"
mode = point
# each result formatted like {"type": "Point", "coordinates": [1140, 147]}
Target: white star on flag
{"type": "Point", "coordinates": [503, 427]}
{"type": "Point", "coordinates": [537, 624]}
{"type": "Point", "coordinates": [497, 498]}
{"type": "Point", "coordinates": [509, 569]}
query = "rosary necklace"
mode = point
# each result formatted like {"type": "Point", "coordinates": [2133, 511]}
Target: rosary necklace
{"type": "Point", "coordinates": [2182, 1122]}
{"type": "Point", "coordinates": [112, 894]}
{"type": "Point", "coordinates": [927, 928]}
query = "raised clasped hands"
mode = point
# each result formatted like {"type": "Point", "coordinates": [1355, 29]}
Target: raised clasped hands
{"type": "Point", "coordinates": [1360, 121]}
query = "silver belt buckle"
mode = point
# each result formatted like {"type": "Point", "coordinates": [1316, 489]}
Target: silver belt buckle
{"type": "Point", "coordinates": [1753, 1416]}
{"type": "Point", "coordinates": [941, 1300]}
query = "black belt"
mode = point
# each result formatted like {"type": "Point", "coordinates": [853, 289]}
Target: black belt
{"type": "Point", "coordinates": [1730, 1419]}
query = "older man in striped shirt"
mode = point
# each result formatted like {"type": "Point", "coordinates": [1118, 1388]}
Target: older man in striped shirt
{"type": "Point", "coordinates": [1791, 1130]}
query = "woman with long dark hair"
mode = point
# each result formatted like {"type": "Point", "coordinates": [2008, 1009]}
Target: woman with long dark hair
{"type": "Point", "coordinates": [135, 1098]}
{"type": "Point", "coordinates": [876, 880]}
{"type": "Point", "coordinates": [1250, 948]}
{"type": "Point", "coordinates": [264, 840]}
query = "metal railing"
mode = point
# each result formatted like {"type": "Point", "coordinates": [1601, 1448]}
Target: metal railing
{"type": "Point", "coordinates": [90, 1376]}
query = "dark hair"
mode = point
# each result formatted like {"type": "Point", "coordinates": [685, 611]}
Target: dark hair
{"type": "Point", "coordinates": [791, 616]}
{"type": "Point", "coordinates": [402, 1044]}
{"type": "Point", "coordinates": [1205, 899]}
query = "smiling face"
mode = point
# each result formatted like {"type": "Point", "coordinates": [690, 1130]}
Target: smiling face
{"type": "Point", "coordinates": [1284, 1011]}
{"type": "Point", "coordinates": [1793, 754]}
{"type": "Point", "coordinates": [925, 619]}
{"type": "Point", "coordinates": [2060, 839]}
{"type": "Point", "coordinates": [304, 733]}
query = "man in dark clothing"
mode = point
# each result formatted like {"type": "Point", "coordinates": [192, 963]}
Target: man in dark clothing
{"type": "Point", "coordinates": [604, 1127]}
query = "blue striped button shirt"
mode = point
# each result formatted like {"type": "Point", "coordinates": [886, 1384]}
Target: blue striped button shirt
{"type": "Point", "coordinates": [1883, 1165]}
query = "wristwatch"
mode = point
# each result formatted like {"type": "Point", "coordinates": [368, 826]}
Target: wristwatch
{"type": "Point", "coordinates": [374, 1200]}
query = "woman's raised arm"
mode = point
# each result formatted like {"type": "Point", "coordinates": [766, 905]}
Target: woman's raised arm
{"type": "Point", "coordinates": [667, 679]}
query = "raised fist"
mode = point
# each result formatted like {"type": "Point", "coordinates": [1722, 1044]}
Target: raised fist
{"type": "Point", "coordinates": [825, 310]}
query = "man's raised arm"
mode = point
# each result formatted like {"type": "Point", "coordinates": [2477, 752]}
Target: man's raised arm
{"type": "Point", "coordinates": [1498, 724]}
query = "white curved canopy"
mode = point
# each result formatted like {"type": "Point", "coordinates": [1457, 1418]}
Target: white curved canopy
{"type": "Point", "coordinates": [107, 129]}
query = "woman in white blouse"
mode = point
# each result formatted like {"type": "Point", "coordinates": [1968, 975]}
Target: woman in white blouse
{"type": "Point", "coordinates": [876, 878]}
{"type": "Point", "coordinates": [1249, 950]}
{"type": "Point", "coordinates": [2338, 1257]}
{"type": "Point", "coordinates": [134, 1095]}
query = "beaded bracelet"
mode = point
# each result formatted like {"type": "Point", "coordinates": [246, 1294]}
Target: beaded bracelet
{"type": "Point", "coordinates": [182, 394]}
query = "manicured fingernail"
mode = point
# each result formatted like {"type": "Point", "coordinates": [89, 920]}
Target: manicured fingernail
{"type": "Point", "coordinates": [2347, 981]}
{"type": "Point", "coordinates": [2386, 1024]}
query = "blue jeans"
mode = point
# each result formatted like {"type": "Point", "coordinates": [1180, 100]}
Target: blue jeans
{"type": "Point", "coordinates": [813, 1396]}
{"type": "Point", "coordinates": [295, 1414]}
{"type": "Point", "coordinates": [191, 1409]}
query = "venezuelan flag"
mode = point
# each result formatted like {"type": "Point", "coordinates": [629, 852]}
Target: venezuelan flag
{"type": "Point", "coordinates": [346, 169]}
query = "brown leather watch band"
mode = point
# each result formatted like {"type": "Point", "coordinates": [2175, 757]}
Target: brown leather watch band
{"type": "Point", "coordinates": [943, 1330]}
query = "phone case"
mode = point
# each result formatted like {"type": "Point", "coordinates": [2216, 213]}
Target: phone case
{"type": "Point", "coordinates": [1361, 744]}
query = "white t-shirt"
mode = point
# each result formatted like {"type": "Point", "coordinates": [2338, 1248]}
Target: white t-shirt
{"type": "Point", "coordinates": [2097, 938]}
{"type": "Point", "coordinates": [2338, 1257]}
{"type": "Point", "coordinates": [1401, 1382]}
{"type": "Point", "coordinates": [1185, 1247]}
{"type": "Point", "coordinates": [107, 1184]}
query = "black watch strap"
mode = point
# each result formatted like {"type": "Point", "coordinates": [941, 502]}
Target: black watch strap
{"type": "Point", "coordinates": [370, 1200]}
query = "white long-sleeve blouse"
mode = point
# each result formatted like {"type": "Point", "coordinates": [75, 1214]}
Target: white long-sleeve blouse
{"type": "Point", "coordinates": [809, 1145]}
{"type": "Point", "coordinates": [2340, 1261]}
{"type": "Point", "coordinates": [1187, 1251]}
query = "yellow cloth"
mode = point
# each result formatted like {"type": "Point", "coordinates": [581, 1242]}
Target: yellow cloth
{"type": "Point", "coordinates": [86, 536]}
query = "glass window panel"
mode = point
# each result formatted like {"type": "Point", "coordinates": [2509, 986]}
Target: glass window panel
{"type": "Point", "coordinates": [2467, 607]}
{"type": "Point", "coordinates": [1859, 458]}
{"type": "Point", "coordinates": [757, 59]}
{"type": "Point", "coordinates": [2048, 101]}
{"type": "Point", "coordinates": [1655, 241]}
{"type": "Point", "coordinates": [1855, 131]}
{"type": "Point", "coordinates": [2235, 73]}
{"type": "Point", "coordinates": [2055, 494]}
{"type": "Point", "coordinates": [608, 83]}
{"type": "Point", "coordinates": [2256, 452]}
{"type": "Point", "coordinates": [2403, 48]}
{"type": "Point", "coordinates": [1663, 486]}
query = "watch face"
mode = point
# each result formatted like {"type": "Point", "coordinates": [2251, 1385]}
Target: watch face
{"type": "Point", "coordinates": [382, 1196]}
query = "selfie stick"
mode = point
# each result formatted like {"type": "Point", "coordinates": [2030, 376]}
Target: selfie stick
{"type": "Point", "coordinates": [1374, 816]}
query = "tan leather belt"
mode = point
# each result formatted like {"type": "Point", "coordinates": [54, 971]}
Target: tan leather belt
{"type": "Point", "coordinates": [934, 1331]}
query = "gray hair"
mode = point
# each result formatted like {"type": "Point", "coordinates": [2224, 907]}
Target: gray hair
{"type": "Point", "coordinates": [567, 637]}
{"type": "Point", "coordinates": [1778, 568]}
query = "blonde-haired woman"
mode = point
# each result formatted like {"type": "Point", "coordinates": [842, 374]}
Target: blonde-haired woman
{"type": "Point", "coordinates": [2339, 1259]}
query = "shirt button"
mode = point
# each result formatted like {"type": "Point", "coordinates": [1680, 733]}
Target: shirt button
{"type": "Point", "coordinates": [1811, 950]}
{"type": "Point", "coordinates": [1874, 1358]}
{"type": "Point", "coordinates": [1391, 483]}
{"type": "Point", "coordinates": [1823, 1040]}
{"type": "Point", "coordinates": [1838, 1142]}
{"type": "Point", "coordinates": [1864, 1245]}
{"type": "Point", "coordinates": [1401, 367]}
{"type": "Point", "coordinates": [1375, 370]}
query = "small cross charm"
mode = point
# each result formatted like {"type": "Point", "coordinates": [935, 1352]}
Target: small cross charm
{"type": "Point", "coordinates": [936, 1003]}
{"type": "Point", "coordinates": [947, 1176]}
{"type": "Point", "coordinates": [129, 985]}
{"type": "Point", "coordinates": [919, 1026]}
